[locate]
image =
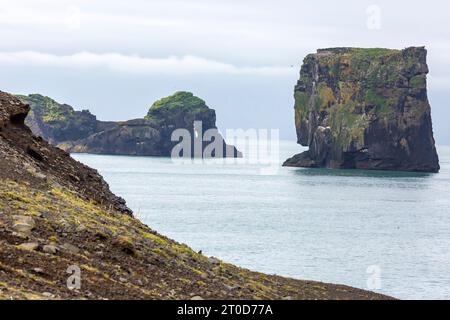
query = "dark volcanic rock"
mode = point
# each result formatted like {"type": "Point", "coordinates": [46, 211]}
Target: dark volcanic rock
{"type": "Point", "coordinates": [25, 156]}
{"type": "Point", "coordinates": [365, 109]}
{"type": "Point", "coordinates": [182, 110]}
{"type": "Point", "coordinates": [134, 137]}
{"type": "Point", "coordinates": [58, 123]}
{"type": "Point", "coordinates": [81, 132]}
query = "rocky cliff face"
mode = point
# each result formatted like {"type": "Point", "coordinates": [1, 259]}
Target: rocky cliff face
{"type": "Point", "coordinates": [183, 110]}
{"type": "Point", "coordinates": [76, 131]}
{"type": "Point", "coordinates": [57, 122]}
{"type": "Point", "coordinates": [30, 158]}
{"type": "Point", "coordinates": [60, 222]}
{"type": "Point", "coordinates": [365, 109]}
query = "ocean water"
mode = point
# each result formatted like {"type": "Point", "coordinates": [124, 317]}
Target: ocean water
{"type": "Point", "coordinates": [384, 231]}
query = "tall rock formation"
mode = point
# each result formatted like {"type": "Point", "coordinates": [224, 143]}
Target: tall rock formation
{"type": "Point", "coordinates": [186, 111]}
{"type": "Point", "coordinates": [365, 109]}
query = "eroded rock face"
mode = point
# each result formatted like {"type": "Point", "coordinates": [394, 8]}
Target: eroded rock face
{"type": "Point", "coordinates": [186, 111]}
{"type": "Point", "coordinates": [26, 157]}
{"type": "Point", "coordinates": [81, 132]}
{"type": "Point", "coordinates": [134, 137]}
{"type": "Point", "coordinates": [365, 109]}
{"type": "Point", "coordinates": [57, 122]}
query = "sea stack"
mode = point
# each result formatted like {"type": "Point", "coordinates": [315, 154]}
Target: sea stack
{"type": "Point", "coordinates": [365, 109]}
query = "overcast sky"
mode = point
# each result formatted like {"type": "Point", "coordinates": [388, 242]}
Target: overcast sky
{"type": "Point", "coordinates": [243, 57]}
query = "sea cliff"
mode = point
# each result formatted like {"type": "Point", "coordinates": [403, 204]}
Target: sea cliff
{"type": "Point", "coordinates": [365, 109]}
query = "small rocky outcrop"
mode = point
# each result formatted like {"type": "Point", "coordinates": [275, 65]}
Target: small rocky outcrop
{"type": "Point", "coordinates": [80, 131]}
{"type": "Point", "coordinates": [365, 109]}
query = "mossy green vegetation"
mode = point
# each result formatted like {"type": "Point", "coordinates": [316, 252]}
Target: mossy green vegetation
{"type": "Point", "coordinates": [348, 89]}
{"type": "Point", "coordinates": [301, 107]}
{"type": "Point", "coordinates": [384, 107]}
{"type": "Point", "coordinates": [49, 109]}
{"type": "Point", "coordinates": [325, 97]}
{"type": "Point", "coordinates": [180, 99]}
{"type": "Point", "coordinates": [354, 105]}
{"type": "Point", "coordinates": [155, 238]}
{"type": "Point", "coordinates": [371, 53]}
{"type": "Point", "coordinates": [355, 86]}
{"type": "Point", "coordinates": [178, 102]}
{"type": "Point", "coordinates": [346, 124]}
{"type": "Point", "coordinates": [418, 82]}
{"type": "Point", "coordinates": [56, 122]}
{"type": "Point", "coordinates": [373, 98]}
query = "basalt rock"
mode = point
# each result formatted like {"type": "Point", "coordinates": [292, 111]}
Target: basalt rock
{"type": "Point", "coordinates": [365, 109]}
{"type": "Point", "coordinates": [80, 131]}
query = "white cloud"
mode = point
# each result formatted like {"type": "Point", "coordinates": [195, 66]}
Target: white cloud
{"type": "Point", "coordinates": [134, 64]}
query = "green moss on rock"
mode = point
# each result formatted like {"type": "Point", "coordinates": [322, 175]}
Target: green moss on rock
{"type": "Point", "coordinates": [354, 106]}
{"type": "Point", "coordinates": [57, 122]}
{"type": "Point", "coordinates": [181, 102]}
{"type": "Point", "coordinates": [418, 82]}
{"type": "Point", "coordinates": [180, 99]}
{"type": "Point", "coordinates": [49, 109]}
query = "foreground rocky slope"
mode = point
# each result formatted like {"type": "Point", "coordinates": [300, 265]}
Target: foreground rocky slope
{"type": "Point", "coordinates": [58, 217]}
{"type": "Point", "coordinates": [365, 109]}
{"type": "Point", "coordinates": [81, 132]}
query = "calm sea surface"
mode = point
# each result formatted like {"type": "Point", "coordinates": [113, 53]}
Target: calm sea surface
{"type": "Point", "coordinates": [365, 229]}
